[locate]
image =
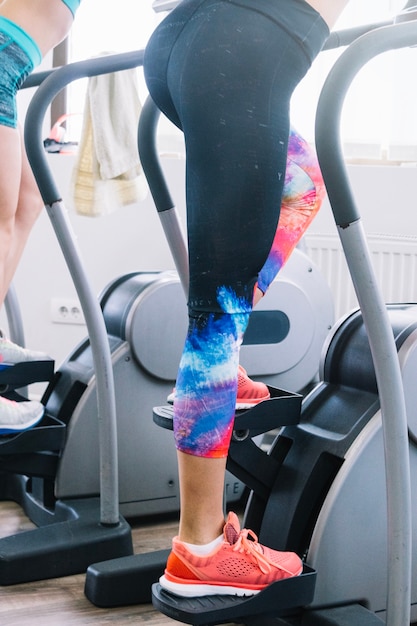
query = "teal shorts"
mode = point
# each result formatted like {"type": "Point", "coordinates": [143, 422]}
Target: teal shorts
{"type": "Point", "coordinates": [19, 54]}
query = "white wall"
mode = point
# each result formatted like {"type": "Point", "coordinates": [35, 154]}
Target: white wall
{"type": "Point", "coordinates": [386, 197]}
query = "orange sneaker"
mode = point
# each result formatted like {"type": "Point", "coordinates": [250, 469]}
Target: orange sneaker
{"type": "Point", "coordinates": [238, 566]}
{"type": "Point", "coordinates": [249, 392]}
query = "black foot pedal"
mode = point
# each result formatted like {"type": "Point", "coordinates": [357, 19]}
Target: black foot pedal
{"type": "Point", "coordinates": [49, 434]}
{"type": "Point", "coordinates": [282, 409]}
{"type": "Point", "coordinates": [277, 600]}
{"type": "Point", "coordinates": [22, 374]}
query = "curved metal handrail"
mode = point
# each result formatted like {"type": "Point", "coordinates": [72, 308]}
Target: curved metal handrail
{"type": "Point", "coordinates": [158, 187]}
{"type": "Point", "coordinates": [384, 352]}
{"type": "Point", "coordinates": [48, 89]}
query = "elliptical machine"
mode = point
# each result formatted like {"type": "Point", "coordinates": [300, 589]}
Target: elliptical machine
{"type": "Point", "coordinates": [345, 460]}
{"type": "Point", "coordinates": [342, 480]}
{"type": "Point", "coordinates": [69, 473]}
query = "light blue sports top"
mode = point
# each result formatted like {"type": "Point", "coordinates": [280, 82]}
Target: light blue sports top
{"type": "Point", "coordinates": [72, 5]}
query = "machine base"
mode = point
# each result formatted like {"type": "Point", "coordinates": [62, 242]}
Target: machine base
{"type": "Point", "coordinates": [124, 581]}
{"type": "Point", "coordinates": [354, 614]}
{"type": "Point", "coordinates": [76, 540]}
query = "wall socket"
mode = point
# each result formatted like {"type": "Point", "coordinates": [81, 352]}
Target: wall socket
{"type": "Point", "coordinates": [66, 311]}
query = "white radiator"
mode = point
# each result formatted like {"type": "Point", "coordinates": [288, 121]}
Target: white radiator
{"type": "Point", "coordinates": [394, 260]}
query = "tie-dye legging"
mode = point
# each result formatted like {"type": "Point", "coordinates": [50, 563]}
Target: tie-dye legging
{"type": "Point", "coordinates": [223, 71]}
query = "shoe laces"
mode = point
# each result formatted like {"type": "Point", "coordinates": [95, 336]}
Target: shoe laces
{"type": "Point", "coordinates": [247, 543]}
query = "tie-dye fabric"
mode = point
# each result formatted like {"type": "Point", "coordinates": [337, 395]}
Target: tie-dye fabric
{"type": "Point", "coordinates": [206, 385]}
{"type": "Point", "coordinates": [302, 197]}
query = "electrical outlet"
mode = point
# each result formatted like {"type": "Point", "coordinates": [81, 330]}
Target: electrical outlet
{"type": "Point", "coordinates": [66, 311]}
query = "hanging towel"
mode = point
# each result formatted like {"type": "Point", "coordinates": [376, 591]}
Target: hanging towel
{"type": "Point", "coordinates": [107, 173]}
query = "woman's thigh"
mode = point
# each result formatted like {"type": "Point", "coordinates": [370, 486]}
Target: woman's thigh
{"type": "Point", "coordinates": [225, 74]}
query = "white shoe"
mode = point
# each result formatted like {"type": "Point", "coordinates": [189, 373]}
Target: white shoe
{"type": "Point", "coordinates": [16, 417]}
{"type": "Point", "coordinates": [11, 353]}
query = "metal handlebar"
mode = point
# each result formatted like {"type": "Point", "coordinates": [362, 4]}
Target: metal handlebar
{"type": "Point", "coordinates": [48, 89]}
{"type": "Point", "coordinates": [374, 312]}
{"type": "Point", "coordinates": [46, 92]}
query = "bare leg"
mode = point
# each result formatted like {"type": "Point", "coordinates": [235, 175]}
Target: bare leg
{"type": "Point", "coordinates": [15, 224]}
{"type": "Point", "coordinates": [202, 485]}
{"type": "Point", "coordinates": [10, 176]}
{"type": "Point", "coordinates": [46, 22]}
{"type": "Point", "coordinates": [29, 29]}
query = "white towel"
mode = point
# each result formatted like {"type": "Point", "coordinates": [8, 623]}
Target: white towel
{"type": "Point", "coordinates": [107, 173]}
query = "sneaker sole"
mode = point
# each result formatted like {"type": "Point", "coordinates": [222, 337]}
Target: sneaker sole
{"type": "Point", "coordinates": [240, 406]}
{"type": "Point", "coordinates": [188, 590]}
{"type": "Point", "coordinates": [14, 430]}
{"type": "Point", "coordinates": [243, 405]}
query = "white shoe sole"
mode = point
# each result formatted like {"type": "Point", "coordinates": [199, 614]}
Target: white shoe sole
{"type": "Point", "coordinates": [240, 406]}
{"type": "Point", "coordinates": [195, 591]}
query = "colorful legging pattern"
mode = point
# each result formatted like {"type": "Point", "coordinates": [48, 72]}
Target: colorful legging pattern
{"type": "Point", "coordinates": [203, 405]}
{"type": "Point", "coordinates": [224, 71]}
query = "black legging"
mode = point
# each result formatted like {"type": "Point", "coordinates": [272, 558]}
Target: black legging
{"type": "Point", "coordinates": [224, 71]}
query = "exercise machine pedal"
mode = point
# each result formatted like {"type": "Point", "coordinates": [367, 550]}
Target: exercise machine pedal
{"type": "Point", "coordinates": [278, 599]}
{"type": "Point", "coordinates": [128, 580]}
{"type": "Point", "coordinates": [281, 409]}
{"type": "Point", "coordinates": [48, 434]}
{"type": "Point", "coordinates": [32, 452]}
{"type": "Point", "coordinates": [70, 535]}
{"type": "Point", "coordinates": [22, 374]}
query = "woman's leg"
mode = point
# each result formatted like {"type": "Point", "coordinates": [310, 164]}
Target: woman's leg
{"type": "Point", "coordinates": [199, 477]}
{"type": "Point", "coordinates": [20, 205]}
{"type": "Point", "coordinates": [232, 103]}
{"type": "Point", "coordinates": [302, 197]}
{"type": "Point", "coordinates": [28, 30]}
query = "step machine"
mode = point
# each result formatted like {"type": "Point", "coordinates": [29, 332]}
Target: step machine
{"type": "Point", "coordinates": [336, 484]}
